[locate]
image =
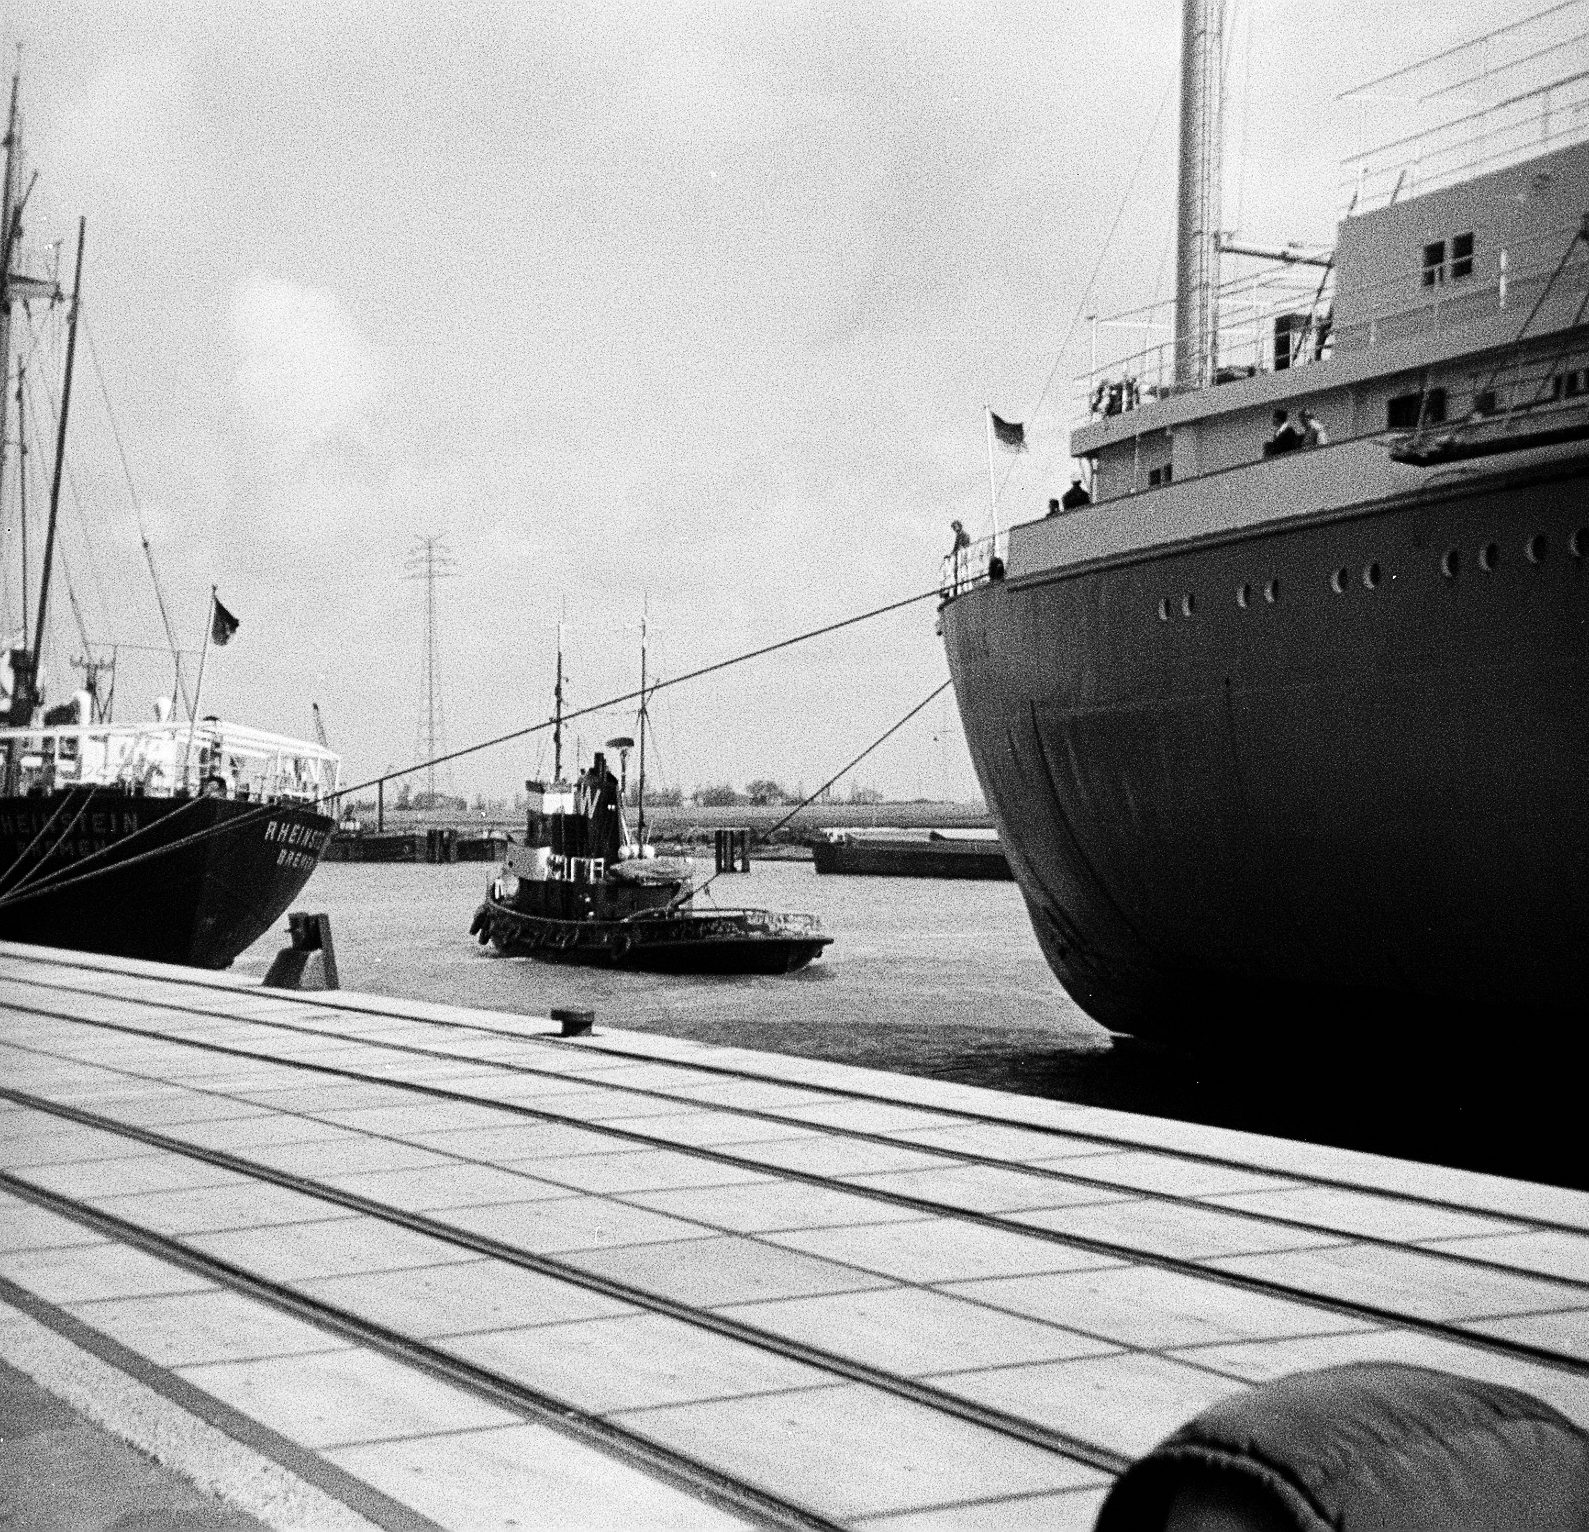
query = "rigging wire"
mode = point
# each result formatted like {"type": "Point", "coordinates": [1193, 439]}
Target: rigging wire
{"type": "Point", "coordinates": [68, 877]}
{"type": "Point", "coordinates": [1086, 292]}
{"type": "Point", "coordinates": [137, 508]}
{"type": "Point", "coordinates": [849, 766]}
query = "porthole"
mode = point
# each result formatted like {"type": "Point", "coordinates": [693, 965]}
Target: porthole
{"type": "Point", "coordinates": [1164, 608]}
{"type": "Point", "coordinates": [1271, 592]}
{"type": "Point", "coordinates": [1578, 543]}
{"type": "Point", "coordinates": [1536, 548]}
{"type": "Point", "coordinates": [1370, 576]}
{"type": "Point", "coordinates": [1188, 604]}
{"type": "Point", "coordinates": [1340, 579]}
{"type": "Point", "coordinates": [1489, 557]}
{"type": "Point", "coordinates": [1451, 563]}
{"type": "Point", "coordinates": [1243, 596]}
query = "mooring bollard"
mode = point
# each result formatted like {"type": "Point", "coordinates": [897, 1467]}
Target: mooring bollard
{"type": "Point", "coordinates": [574, 1023]}
{"type": "Point", "coordinates": [733, 849]}
{"type": "Point", "coordinates": [311, 961]}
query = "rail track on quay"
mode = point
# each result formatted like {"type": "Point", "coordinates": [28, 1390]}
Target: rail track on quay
{"type": "Point", "coordinates": [174, 1068]}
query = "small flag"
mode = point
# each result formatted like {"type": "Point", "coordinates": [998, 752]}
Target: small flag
{"type": "Point", "coordinates": [223, 626]}
{"type": "Point", "coordinates": [1011, 433]}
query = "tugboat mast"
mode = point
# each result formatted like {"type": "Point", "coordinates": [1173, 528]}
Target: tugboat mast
{"type": "Point", "coordinates": [640, 830]}
{"type": "Point", "coordinates": [557, 714]}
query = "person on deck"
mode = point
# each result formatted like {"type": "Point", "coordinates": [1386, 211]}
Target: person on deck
{"type": "Point", "coordinates": [1287, 436]}
{"type": "Point", "coordinates": [1313, 434]}
{"type": "Point", "coordinates": [957, 552]}
{"type": "Point", "coordinates": [1076, 496]}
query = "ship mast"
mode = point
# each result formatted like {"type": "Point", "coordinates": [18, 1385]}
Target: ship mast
{"type": "Point", "coordinates": [5, 274]}
{"type": "Point", "coordinates": [557, 715]}
{"type": "Point", "coordinates": [1198, 202]}
{"type": "Point", "coordinates": [640, 832]}
{"type": "Point", "coordinates": [60, 453]}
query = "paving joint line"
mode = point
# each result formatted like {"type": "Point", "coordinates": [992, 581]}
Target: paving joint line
{"type": "Point", "coordinates": [848, 1092]}
{"type": "Point", "coordinates": [1239, 1280]}
{"type": "Point", "coordinates": [704, 1318]}
{"type": "Point", "coordinates": [303, 1462]}
{"type": "Point", "coordinates": [758, 1114]}
{"type": "Point", "coordinates": [585, 1426]}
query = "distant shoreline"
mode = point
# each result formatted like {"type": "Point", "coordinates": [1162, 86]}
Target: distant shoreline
{"type": "Point", "coordinates": [696, 824]}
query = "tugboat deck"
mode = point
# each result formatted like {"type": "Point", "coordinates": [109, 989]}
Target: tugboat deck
{"type": "Point", "coordinates": [433, 1266]}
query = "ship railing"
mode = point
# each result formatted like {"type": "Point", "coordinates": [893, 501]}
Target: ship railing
{"type": "Point", "coordinates": [168, 758]}
{"type": "Point", "coordinates": [1269, 320]}
{"type": "Point", "coordinates": [975, 564]}
{"type": "Point", "coordinates": [1264, 327]}
{"type": "Point", "coordinates": [1524, 124]}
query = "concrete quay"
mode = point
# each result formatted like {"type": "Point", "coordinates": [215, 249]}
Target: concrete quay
{"type": "Point", "coordinates": [344, 1260]}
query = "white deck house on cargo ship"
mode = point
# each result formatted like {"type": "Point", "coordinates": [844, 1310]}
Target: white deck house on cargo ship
{"type": "Point", "coordinates": [1455, 295]}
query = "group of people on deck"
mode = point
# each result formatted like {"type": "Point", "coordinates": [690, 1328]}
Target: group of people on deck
{"type": "Point", "coordinates": [1293, 431]}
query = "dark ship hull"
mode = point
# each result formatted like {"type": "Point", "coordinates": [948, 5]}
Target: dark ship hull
{"type": "Point", "coordinates": [1371, 788]}
{"type": "Point", "coordinates": [661, 941]}
{"type": "Point", "coordinates": [200, 904]}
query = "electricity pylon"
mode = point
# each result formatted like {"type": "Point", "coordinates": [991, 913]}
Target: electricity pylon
{"type": "Point", "coordinates": [429, 560]}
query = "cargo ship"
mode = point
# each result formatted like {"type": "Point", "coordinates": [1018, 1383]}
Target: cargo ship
{"type": "Point", "coordinates": [174, 840]}
{"type": "Point", "coordinates": [1287, 724]}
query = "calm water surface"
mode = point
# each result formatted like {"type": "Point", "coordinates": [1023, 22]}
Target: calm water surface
{"type": "Point", "coordinates": [946, 979]}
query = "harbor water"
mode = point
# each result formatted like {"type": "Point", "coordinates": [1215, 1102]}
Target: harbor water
{"type": "Point", "coordinates": [944, 978]}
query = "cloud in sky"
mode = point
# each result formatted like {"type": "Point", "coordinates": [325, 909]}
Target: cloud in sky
{"type": "Point", "coordinates": [309, 390]}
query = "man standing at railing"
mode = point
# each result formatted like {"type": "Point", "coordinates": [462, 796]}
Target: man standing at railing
{"type": "Point", "coordinates": [1076, 496]}
{"type": "Point", "coordinates": [957, 553]}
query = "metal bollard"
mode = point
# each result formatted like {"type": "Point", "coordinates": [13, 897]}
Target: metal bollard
{"type": "Point", "coordinates": [574, 1023]}
{"type": "Point", "coordinates": [310, 962]}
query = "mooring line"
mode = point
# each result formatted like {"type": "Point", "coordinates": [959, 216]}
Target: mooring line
{"type": "Point", "coordinates": [72, 875]}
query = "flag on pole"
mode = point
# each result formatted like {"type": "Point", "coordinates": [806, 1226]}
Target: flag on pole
{"type": "Point", "coordinates": [1011, 433]}
{"type": "Point", "coordinates": [223, 625]}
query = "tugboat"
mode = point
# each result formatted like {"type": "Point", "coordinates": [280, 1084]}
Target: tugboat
{"type": "Point", "coordinates": [582, 889]}
{"type": "Point", "coordinates": [175, 840]}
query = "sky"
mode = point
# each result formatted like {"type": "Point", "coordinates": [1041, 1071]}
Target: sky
{"type": "Point", "coordinates": [676, 309]}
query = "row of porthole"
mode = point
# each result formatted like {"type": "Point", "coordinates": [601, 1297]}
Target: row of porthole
{"type": "Point", "coordinates": [1244, 598]}
{"type": "Point", "coordinates": [1535, 549]}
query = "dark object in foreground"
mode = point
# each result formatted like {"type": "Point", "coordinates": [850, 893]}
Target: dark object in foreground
{"type": "Point", "coordinates": [1369, 1445]}
{"type": "Point", "coordinates": [582, 890]}
{"type": "Point", "coordinates": [310, 962]}
{"type": "Point", "coordinates": [574, 1023]}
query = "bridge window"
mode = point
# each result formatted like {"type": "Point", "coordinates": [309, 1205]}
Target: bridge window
{"type": "Point", "coordinates": [1461, 256]}
{"type": "Point", "coordinates": [1434, 263]}
{"type": "Point", "coordinates": [1406, 412]}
